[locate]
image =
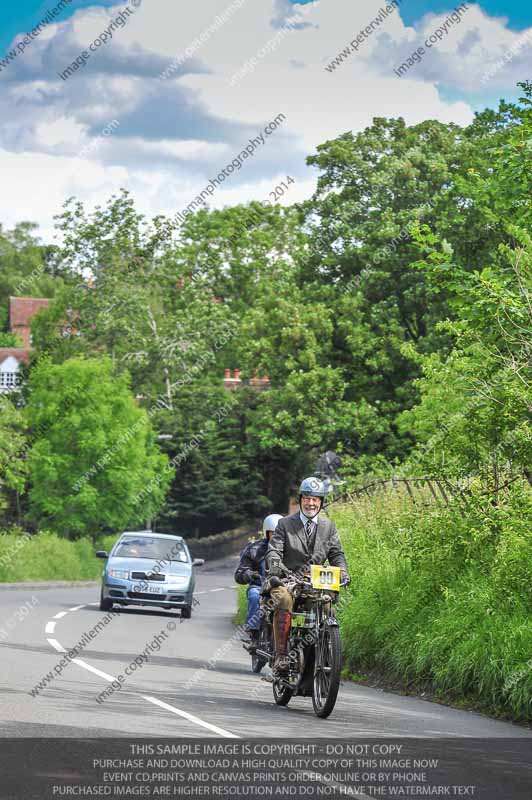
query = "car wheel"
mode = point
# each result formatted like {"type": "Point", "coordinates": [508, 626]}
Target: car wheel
{"type": "Point", "coordinates": [186, 612]}
{"type": "Point", "coordinates": [105, 603]}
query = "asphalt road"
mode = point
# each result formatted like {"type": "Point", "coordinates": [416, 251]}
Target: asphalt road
{"type": "Point", "coordinates": [173, 693]}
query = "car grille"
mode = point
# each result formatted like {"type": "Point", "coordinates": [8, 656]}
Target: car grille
{"type": "Point", "coordinates": [146, 596]}
{"type": "Point", "coordinates": [148, 576]}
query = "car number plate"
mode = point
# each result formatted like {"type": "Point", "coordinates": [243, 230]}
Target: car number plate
{"type": "Point", "coordinates": [154, 589]}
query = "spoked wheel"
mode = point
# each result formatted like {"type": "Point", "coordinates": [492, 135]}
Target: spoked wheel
{"type": "Point", "coordinates": [281, 694]}
{"type": "Point", "coordinates": [257, 663]}
{"type": "Point", "coordinates": [327, 671]}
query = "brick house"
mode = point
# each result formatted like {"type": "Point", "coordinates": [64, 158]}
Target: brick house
{"type": "Point", "coordinates": [21, 311]}
{"type": "Point", "coordinates": [234, 381]}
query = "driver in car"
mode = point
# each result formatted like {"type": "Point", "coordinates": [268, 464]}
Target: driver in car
{"type": "Point", "coordinates": [299, 540]}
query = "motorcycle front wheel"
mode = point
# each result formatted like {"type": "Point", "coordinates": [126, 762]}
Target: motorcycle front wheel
{"type": "Point", "coordinates": [327, 669]}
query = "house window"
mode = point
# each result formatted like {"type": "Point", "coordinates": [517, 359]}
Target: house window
{"type": "Point", "coordinates": [8, 380]}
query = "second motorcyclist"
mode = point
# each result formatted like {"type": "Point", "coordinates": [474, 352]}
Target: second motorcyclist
{"type": "Point", "coordinates": [251, 570]}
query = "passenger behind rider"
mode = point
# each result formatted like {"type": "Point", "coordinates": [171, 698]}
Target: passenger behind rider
{"type": "Point", "coordinates": [251, 570]}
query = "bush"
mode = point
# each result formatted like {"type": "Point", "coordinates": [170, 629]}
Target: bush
{"type": "Point", "coordinates": [48, 557]}
{"type": "Point", "coordinates": [441, 596]}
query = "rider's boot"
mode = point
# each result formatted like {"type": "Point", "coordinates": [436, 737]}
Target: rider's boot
{"type": "Point", "coordinates": [281, 629]}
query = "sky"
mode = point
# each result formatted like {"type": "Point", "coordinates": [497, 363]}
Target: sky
{"type": "Point", "coordinates": [177, 93]}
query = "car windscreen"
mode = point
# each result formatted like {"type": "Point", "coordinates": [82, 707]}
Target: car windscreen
{"type": "Point", "coordinates": [146, 547]}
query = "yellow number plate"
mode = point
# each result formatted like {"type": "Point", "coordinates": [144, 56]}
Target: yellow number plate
{"type": "Point", "coordinates": [325, 577]}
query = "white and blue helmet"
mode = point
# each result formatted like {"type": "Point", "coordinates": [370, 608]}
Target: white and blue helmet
{"type": "Point", "coordinates": [270, 522]}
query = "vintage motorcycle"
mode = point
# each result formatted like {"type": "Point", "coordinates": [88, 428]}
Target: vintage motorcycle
{"type": "Point", "coordinates": [314, 647]}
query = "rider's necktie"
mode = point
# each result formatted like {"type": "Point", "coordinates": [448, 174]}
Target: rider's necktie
{"type": "Point", "coordinates": [309, 527]}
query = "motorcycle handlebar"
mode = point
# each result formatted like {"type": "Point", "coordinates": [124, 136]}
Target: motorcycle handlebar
{"type": "Point", "coordinates": [294, 577]}
{"type": "Point", "coordinates": [308, 585]}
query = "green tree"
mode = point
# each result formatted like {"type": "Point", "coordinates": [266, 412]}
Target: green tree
{"type": "Point", "coordinates": [96, 451]}
{"type": "Point", "coordinates": [13, 468]}
{"type": "Point", "coordinates": [9, 339]}
{"type": "Point", "coordinates": [474, 414]}
{"type": "Point", "coordinates": [218, 479]}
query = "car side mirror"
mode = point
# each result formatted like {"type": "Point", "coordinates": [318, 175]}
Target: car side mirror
{"type": "Point", "coordinates": [198, 562]}
{"type": "Point", "coordinates": [102, 554]}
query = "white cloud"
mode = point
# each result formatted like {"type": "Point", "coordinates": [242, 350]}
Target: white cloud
{"type": "Point", "coordinates": [174, 133]}
{"type": "Point", "coordinates": [467, 49]}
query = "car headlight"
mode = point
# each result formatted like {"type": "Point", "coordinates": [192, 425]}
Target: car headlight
{"type": "Point", "coordinates": [118, 573]}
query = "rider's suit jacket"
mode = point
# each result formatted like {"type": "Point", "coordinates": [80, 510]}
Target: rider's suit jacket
{"type": "Point", "coordinates": [291, 546]}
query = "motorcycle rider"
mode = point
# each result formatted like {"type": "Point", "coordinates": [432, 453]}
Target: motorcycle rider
{"type": "Point", "coordinates": [299, 540]}
{"type": "Point", "coordinates": [251, 570]}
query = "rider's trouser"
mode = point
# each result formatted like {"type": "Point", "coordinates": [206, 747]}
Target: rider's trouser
{"type": "Point", "coordinates": [282, 598]}
{"type": "Point", "coordinates": [282, 617]}
{"type": "Point", "coordinates": [254, 616]}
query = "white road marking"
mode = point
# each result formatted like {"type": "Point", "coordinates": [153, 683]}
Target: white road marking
{"type": "Point", "coordinates": [190, 717]}
{"type": "Point", "coordinates": [200, 593]}
{"type": "Point", "coordinates": [105, 675]}
{"type": "Point", "coordinates": [55, 644]}
{"type": "Point", "coordinates": [84, 664]}
{"type": "Point", "coordinates": [217, 590]}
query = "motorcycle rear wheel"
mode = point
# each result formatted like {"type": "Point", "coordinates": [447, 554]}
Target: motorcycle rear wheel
{"type": "Point", "coordinates": [281, 694]}
{"type": "Point", "coordinates": [257, 663]}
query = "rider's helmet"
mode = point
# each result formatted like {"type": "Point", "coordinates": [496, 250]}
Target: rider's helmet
{"type": "Point", "coordinates": [314, 487]}
{"type": "Point", "coordinates": [270, 523]}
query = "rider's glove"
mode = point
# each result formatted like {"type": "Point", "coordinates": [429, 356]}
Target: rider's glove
{"type": "Point", "coordinates": [345, 577]}
{"type": "Point", "coordinates": [275, 582]}
{"type": "Point", "coordinates": [255, 578]}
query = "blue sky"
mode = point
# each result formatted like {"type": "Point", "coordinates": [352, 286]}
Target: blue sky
{"type": "Point", "coordinates": [517, 11]}
{"type": "Point", "coordinates": [158, 111]}
{"type": "Point", "coordinates": [25, 14]}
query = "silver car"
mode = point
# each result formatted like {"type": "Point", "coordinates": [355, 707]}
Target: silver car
{"type": "Point", "coordinates": [149, 569]}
